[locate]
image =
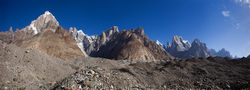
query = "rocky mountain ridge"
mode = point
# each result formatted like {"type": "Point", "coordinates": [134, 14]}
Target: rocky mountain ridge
{"type": "Point", "coordinates": [132, 45]}
{"type": "Point", "coordinates": [112, 44]}
{"type": "Point", "coordinates": [93, 45]}
{"type": "Point", "coordinates": [43, 31]}
{"type": "Point", "coordinates": [45, 34]}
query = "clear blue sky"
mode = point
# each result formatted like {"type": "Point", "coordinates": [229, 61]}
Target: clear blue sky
{"type": "Point", "coordinates": [218, 23]}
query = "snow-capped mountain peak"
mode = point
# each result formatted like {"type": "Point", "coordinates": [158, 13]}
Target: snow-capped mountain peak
{"type": "Point", "coordinates": [81, 38]}
{"type": "Point", "coordinates": [158, 43]}
{"type": "Point", "coordinates": [80, 32]}
{"type": "Point", "coordinates": [179, 44]}
{"type": "Point", "coordinates": [47, 13]}
{"type": "Point", "coordinates": [46, 20]}
{"type": "Point", "coordinates": [185, 41]}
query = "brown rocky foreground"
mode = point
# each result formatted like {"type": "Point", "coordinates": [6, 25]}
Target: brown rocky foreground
{"type": "Point", "coordinates": [203, 73]}
{"type": "Point", "coordinates": [34, 70]}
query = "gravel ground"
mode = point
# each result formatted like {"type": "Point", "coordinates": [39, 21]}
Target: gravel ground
{"type": "Point", "coordinates": [195, 73]}
{"type": "Point", "coordinates": [35, 70]}
{"type": "Point", "coordinates": [24, 69]}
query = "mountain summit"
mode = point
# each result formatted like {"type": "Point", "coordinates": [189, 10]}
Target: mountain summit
{"type": "Point", "coordinates": [47, 20]}
{"type": "Point", "coordinates": [198, 49]}
{"type": "Point", "coordinates": [178, 44]}
{"type": "Point", "coordinates": [45, 34]}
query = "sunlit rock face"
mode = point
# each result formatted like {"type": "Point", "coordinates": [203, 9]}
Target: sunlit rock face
{"type": "Point", "coordinates": [46, 20]}
{"type": "Point", "coordinates": [131, 45]}
{"type": "Point", "coordinates": [43, 22]}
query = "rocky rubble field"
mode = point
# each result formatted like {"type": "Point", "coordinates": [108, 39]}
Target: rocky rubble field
{"type": "Point", "coordinates": [195, 73]}
{"type": "Point", "coordinates": [25, 69]}
{"type": "Point", "coordinates": [35, 70]}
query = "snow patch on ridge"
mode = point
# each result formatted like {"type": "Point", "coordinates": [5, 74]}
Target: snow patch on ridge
{"type": "Point", "coordinates": [185, 41]}
{"type": "Point", "coordinates": [81, 32]}
{"type": "Point", "coordinates": [158, 43]}
{"type": "Point", "coordinates": [80, 45]}
{"type": "Point", "coordinates": [90, 38]}
{"type": "Point", "coordinates": [32, 27]}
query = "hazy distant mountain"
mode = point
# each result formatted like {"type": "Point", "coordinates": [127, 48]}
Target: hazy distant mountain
{"type": "Point", "coordinates": [182, 49]}
{"type": "Point", "coordinates": [198, 49]}
{"type": "Point", "coordinates": [213, 52]}
{"type": "Point", "coordinates": [248, 56]}
{"type": "Point", "coordinates": [222, 53]}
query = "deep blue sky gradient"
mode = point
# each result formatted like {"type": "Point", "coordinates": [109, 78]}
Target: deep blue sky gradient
{"type": "Point", "coordinates": [161, 19]}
